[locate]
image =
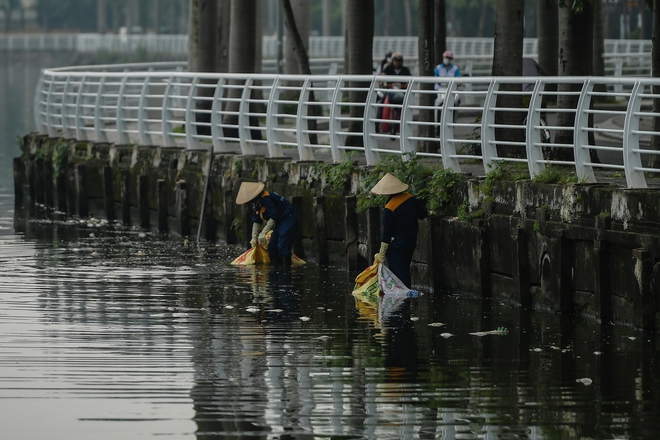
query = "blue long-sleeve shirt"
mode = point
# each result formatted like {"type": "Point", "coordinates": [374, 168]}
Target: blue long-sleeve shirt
{"type": "Point", "coordinates": [273, 206]}
{"type": "Point", "coordinates": [400, 217]}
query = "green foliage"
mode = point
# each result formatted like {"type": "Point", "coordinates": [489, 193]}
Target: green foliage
{"type": "Point", "coordinates": [406, 168]}
{"type": "Point", "coordinates": [537, 226]}
{"type": "Point", "coordinates": [555, 175]}
{"type": "Point", "coordinates": [337, 175]}
{"type": "Point", "coordinates": [437, 192]}
{"type": "Point", "coordinates": [21, 145]}
{"type": "Point", "coordinates": [464, 213]}
{"type": "Point", "coordinates": [60, 158]}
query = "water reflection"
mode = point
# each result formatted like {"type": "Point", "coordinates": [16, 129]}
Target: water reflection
{"type": "Point", "coordinates": [107, 327]}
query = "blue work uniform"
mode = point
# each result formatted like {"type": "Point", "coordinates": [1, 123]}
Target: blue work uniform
{"type": "Point", "coordinates": [278, 208]}
{"type": "Point", "coordinates": [400, 230]}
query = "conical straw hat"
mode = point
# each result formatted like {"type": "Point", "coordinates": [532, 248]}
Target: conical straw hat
{"type": "Point", "coordinates": [389, 185]}
{"type": "Point", "coordinates": [248, 191]}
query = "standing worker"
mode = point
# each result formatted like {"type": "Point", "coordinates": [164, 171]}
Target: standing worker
{"type": "Point", "coordinates": [400, 226]}
{"type": "Point", "coordinates": [278, 214]}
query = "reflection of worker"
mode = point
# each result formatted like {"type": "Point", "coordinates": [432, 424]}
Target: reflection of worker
{"type": "Point", "coordinates": [279, 215]}
{"type": "Point", "coordinates": [400, 226]}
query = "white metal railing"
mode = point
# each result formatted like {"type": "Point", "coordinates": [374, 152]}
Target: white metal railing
{"type": "Point", "coordinates": [276, 116]}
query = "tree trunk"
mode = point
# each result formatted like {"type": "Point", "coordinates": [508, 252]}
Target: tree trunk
{"type": "Point", "coordinates": [101, 17]}
{"type": "Point", "coordinates": [386, 18]}
{"type": "Point", "coordinates": [575, 46]}
{"type": "Point", "coordinates": [302, 59]}
{"type": "Point", "coordinates": [222, 35]}
{"type": "Point", "coordinates": [155, 7]}
{"type": "Point", "coordinates": [655, 72]}
{"type": "Point", "coordinates": [426, 53]}
{"type": "Point", "coordinates": [408, 14]}
{"type": "Point", "coordinates": [327, 14]}
{"type": "Point", "coordinates": [507, 61]}
{"type": "Point", "coordinates": [360, 36]}
{"type": "Point", "coordinates": [548, 35]}
{"type": "Point", "coordinates": [302, 14]}
{"type": "Point", "coordinates": [440, 30]}
{"type": "Point", "coordinates": [242, 45]}
{"type": "Point", "coordinates": [485, 11]}
{"type": "Point", "coordinates": [599, 42]}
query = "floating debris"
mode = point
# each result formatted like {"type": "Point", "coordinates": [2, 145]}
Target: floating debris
{"type": "Point", "coordinates": [323, 338]}
{"type": "Point", "coordinates": [446, 335]}
{"type": "Point", "coordinates": [585, 381]}
{"type": "Point", "coordinates": [499, 331]}
{"type": "Point", "coordinates": [141, 254]}
{"type": "Point", "coordinates": [228, 307]}
{"type": "Point", "coordinates": [305, 318]}
{"type": "Point", "coordinates": [597, 353]}
{"type": "Point", "coordinates": [142, 235]}
{"type": "Point", "coordinates": [436, 324]}
{"type": "Point", "coordinates": [165, 280]}
{"type": "Point", "coordinates": [276, 310]}
{"type": "Point", "coordinates": [538, 350]}
{"type": "Point", "coordinates": [94, 254]}
{"type": "Point", "coordinates": [632, 338]}
{"type": "Point", "coordinates": [414, 318]}
{"type": "Point", "coordinates": [252, 309]}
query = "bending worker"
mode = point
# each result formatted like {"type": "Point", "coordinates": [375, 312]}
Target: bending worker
{"type": "Point", "coordinates": [400, 226]}
{"type": "Point", "coordinates": [278, 214]}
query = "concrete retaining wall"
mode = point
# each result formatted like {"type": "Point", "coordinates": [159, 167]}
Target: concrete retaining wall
{"type": "Point", "coordinates": [588, 249]}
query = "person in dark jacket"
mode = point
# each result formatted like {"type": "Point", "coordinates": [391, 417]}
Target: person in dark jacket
{"type": "Point", "coordinates": [400, 226]}
{"type": "Point", "coordinates": [279, 216]}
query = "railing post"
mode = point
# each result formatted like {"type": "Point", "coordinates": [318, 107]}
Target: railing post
{"type": "Point", "coordinates": [488, 146]}
{"type": "Point", "coordinates": [49, 109]}
{"type": "Point", "coordinates": [533, 136]}
{"type": "Point", "coordinates": [166, 115]}
{"type": "Point", "coordinates": [122, 136]}
{"type": "Point", "coordinates": [406, 128]}
{"type": "Point", "coordinates": [244, 135]}
{"type": "Point", "coordinates": [143, 115]}
{"type": "Point", "coordinates": [217, 131]}
{"type": "Point", "coordinates": [447, 148]}
{"type": "Point", "coordinates": [302, 125]}
{"type": "Point", "coordinates": [99, 125]}
{"type": "Point", "coordinates": [38, 111]}
{"type": "Point", "coordinates": [334, 128]}
{"type": "Point", "coordinates": [272, 122]}
{"type": "Point", "coordinates": [583, 169]}
{"type": "Point", "coordinates": [81, 135]}
{"type": "Point", "coordinates": [632, 159]}
{"type": "Point", "coordinates": [370, 113]}
{"type": "Point", "coordinates": [192, 142]}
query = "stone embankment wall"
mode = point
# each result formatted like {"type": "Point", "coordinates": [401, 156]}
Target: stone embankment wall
{"type": "Point", "coordinates": [588, 249]}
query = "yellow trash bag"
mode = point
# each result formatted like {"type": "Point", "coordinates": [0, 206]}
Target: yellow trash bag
{"type": "Point", "coordinates": [367, 293]}
{"type": "Point", "coordinates": [255, 255]}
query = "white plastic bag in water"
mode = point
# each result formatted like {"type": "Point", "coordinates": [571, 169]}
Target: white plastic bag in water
{"type": "Point", "coordinates": [393, 293]}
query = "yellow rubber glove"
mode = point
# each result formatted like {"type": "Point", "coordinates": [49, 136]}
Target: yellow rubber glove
{"type": "Point", "coordinates": [262, 236]}
{"type": "Point", "coordinates": [383, 250]}
{"type": "Point", "coordinates": [256, 227]}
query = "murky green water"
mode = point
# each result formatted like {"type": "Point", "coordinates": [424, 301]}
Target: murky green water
{"type": "Point", "coordinates": [108, 332]}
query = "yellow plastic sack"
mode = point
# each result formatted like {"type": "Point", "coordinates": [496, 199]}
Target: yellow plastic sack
{"type": "Point", "coordinates": [255, 255]}
{"type": "Point", "coordinates": [366, 283]}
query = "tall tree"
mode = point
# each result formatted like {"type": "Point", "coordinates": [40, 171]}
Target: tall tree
{"type": "Point", "coordinates": [548, 35]}
{"type": "Point", "coordinates": [426, 51]}
{"type": "Point", "coordinates": [302, 13]}
{"type": "Point", "coordinates": [359, 39]}
{"type": "Point", "coordinates": [101, 16]}
{"type": "Point", "coordinates": [202, 36]}
{"type": "Point", "coordinates": [599, 39]}
{"type": "Point", "coordinates": [440, 30]}
{"type": "Point", "coordinates": [302, 59]}
{"type": "Point", "coordinates": [575, 46]}
{"type": "Point", "coordinates": [507, 61]}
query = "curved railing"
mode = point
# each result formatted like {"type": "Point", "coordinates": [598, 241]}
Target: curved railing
{"type": "Point", "coordinates": [276, 116]}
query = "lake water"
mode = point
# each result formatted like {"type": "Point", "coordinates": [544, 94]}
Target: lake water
{"type": "Point", "coordinates": [109, 332]}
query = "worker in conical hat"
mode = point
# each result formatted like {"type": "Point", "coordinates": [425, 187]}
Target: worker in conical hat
{"type": "Point", "coordinates": [278, 215]}
{"type": "Point", "coordinates": [400, 226]}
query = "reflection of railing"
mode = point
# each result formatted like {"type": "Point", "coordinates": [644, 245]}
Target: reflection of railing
{"type": "Point", "coordinates": [275, 115]}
